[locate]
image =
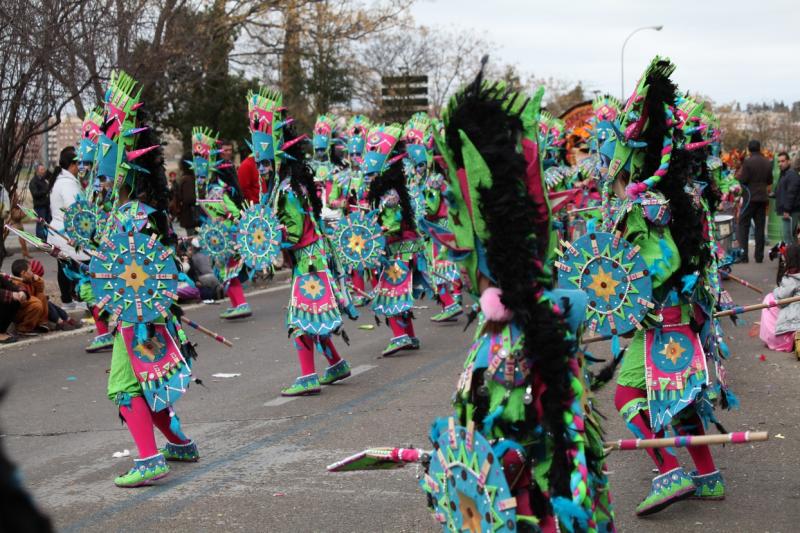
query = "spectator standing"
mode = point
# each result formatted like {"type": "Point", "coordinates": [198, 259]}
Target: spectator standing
{"type": "Point", "coordinates": [787, 198]}
{"type": "Point", "coordinates": [227, 171]}
{"type": "Point", "coordinates": [249, 180]}
{"type": "Point", "coordinates": [15, 218]}
{"type": "Point", "coordinates": [756, 175]}
{"type": "Point", "coordinates": [64, 193]}
{"type": "Point", "coordinates": [40, 192]}
{"type": "Point", "coordinates": [185, 199]}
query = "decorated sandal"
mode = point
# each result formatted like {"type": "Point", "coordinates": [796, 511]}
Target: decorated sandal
{"type": "Point", "coordinates": [336, 372]}
{"type": "Point", "coordinates": [100, 343]}
{"type": "Point", "coordinates": [449, 314]}
{"type": "Point", "coordinates": [403, 342]}
{"type": "Point", "coordinates": [185, 453]}
{"type": "Point", "coordinates": [240, 311]}
{"type": "Point", "coordinates": [667, 489]}
{"type": "Point", "coordinates": [708, 486]}
{"type": "Point", "coordinates": [144, 472]}
{"type": "Point", "coordinates": [303, 386]}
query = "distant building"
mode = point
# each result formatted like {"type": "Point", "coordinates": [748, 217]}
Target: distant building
{"type": "Point", "coordinates": [67, 133]}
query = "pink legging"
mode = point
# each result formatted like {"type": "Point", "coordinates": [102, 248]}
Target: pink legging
{"type": "Point", "coordinates": [236, 293]}
{"type": "Point", "coordinates": [140, 420]}
{"type": "Point", "coordinates": [305, 353]}
{"type": "Point", "coordinates": [447, 294]}
{"type": "Point", "coordinates": [401, 326]}
{"type": "Point", "coordinates": [701, 455]}
{"type": "Point", "coordinates": [99, 324]}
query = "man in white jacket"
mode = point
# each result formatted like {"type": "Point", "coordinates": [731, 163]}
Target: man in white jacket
{"type": "Point", "coordinates": [64, 193]}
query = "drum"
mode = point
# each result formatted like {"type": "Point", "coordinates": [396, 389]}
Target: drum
{"type": "Point", "coordinates": [723, 226]}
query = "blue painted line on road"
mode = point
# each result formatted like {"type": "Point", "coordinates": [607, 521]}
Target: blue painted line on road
{"type": "Point", "coordinates": [146, 494]}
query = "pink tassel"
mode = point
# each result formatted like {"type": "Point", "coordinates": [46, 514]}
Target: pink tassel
{"type": "Point", "coordinates": [493, 309]}
{"type": "Point", "coordinates": [635, 190]}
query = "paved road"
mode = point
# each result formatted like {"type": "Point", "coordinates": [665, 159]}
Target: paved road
{"type": "Point", "coordinates": [263, 460]}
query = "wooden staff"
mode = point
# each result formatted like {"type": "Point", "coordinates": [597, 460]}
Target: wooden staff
{"type": "Point", "coordinates": [359, 291]}
{"type": "Point", "coordinates": [728, 275]}
{"type": "Point", "coordinates": [685, 441]}
{"type": "Point", "coordinates": [12, 278]}
{"type": "Point", "coordinates": [755, 307]}
{"type": "Point", "coordinates": [738, 310]}
{"type": "Point", "coordinates": [216, 336]}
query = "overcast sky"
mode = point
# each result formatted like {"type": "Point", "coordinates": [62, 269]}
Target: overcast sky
{"type": "Point", "coordinates": [727, 50]}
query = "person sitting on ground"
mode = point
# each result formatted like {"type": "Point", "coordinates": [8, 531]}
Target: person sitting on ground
{"type": "Point", "coordinates": [32, 314]}
{"type": "Point", "coordinates": [11, 299]}
{"type": "Point", "coordinates": [202, 273]}
{"type": "Point", "coordinates": [55, 314]}
{"type": "Point", "coordinates": [779, 324]}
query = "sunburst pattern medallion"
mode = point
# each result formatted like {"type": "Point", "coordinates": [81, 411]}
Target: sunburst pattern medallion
{"type": "Point", "coordinates": [80, 223]}
{"type": "Point", "coordinates": [614, 277]}
{"type": "Point", "coordinates": [466, 483]}
{"type": "Point", "coordinates": [359, 241]}
{"type": "Point", "coordinates": [259, 237]}
{"type": "Point", "coordinates": [134, 277]}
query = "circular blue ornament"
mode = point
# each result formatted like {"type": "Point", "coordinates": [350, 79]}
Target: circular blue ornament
{"type": "Point", "coordinates": [359, 241]}
{"type": "Point", "coordinates": [134, 277]}
{"type": "Point", "coordinates": [467, 485]}
{"type": "Point", "coordinates": [615, 278]}
{"type": "Point", "coordinates": [259, 237]}
{"type": "Point", "coordinates": [217, 240]}
{"type": "Point", "coordinates": [80, 223]}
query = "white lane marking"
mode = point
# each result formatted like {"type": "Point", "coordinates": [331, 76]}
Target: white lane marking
{"type": "Point", "coordinates": [280, 400]}
{"type": "Point", "coordinates": [360, 369]}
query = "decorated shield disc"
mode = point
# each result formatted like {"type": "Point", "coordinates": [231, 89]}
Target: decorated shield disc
{"type": "Point", "coordinates": [217, 240]}
{"type": "Point", "coordinates": [134, 277]}
{"type": "Point", "coordinates": [80, 223]}
{"type": "Point", "coordinates": [466, 483]}
{"type": "Point", "coordinates": [615, 278]}
{"type": "Point", "coordinates": [359, 240]}
{"type": "Point", "coordinates": [259, 237]}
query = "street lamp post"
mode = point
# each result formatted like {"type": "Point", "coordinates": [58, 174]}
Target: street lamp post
{"type": "Point", "coordinates": [622, 58]}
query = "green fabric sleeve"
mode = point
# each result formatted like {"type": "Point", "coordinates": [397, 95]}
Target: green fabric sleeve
{"type": "Point", "coordinates": [291, 215]}
{"type": "Point", "coordinates": [655, 245]}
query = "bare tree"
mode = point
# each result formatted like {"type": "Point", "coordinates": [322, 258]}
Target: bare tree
{"type": "Point", "coordinates": [33, 46]}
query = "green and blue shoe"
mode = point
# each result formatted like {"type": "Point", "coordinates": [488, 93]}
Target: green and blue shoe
{"type": "Point", "coordinates": [449, 314]}
{"type": "Point", "coordinates": [240, 311]}
{"type": "Point", "coordinates": [667, 489]}
{"type": "Point", "coordinates": [403, 342]}
{"type": "Point", "coordinates": [101, 343]}
{"type": "Point", "coordinates": [144, 472]}
{"type": "Point", "coordinates": [415, 344]}
{"type": "Point", "coordinates": [708, 486]}
{"type": "Point", "coordinates": [303, 386]}
{"type": "Point", "coordinates": [336, 372]}
{"type": "Point", "coordinates": [184, 453]}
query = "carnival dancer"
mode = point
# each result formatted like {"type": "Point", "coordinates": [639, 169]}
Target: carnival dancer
{"type": "Point", "coordinates": [388, 193]}
{"type": "Point", "coordinates": [349, 193]}
{"type": "Point", "coordinates": [664, 378]}
{"type": "Point", "coordinates": [428, 186]}
{"type": "Point", "coordinates": [522, 407]}
{"type": "Point", "coordinates": [97, 189]}
{"type": "Point", "coordinates": [314, 313]}
{"type": "Point", "coordinates": [222, 208]}
{"type": "Point", "coordinates": [324, 166]}
{"type": "Point", "coordinates": [149, 369]}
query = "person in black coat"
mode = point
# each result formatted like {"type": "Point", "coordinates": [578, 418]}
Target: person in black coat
{"type": "Point", "coordinates": [756, 175]}
{"type": "Point", "coordinates": [787, 198]}
{"type": "Point", "coordinates": [40, 192]}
